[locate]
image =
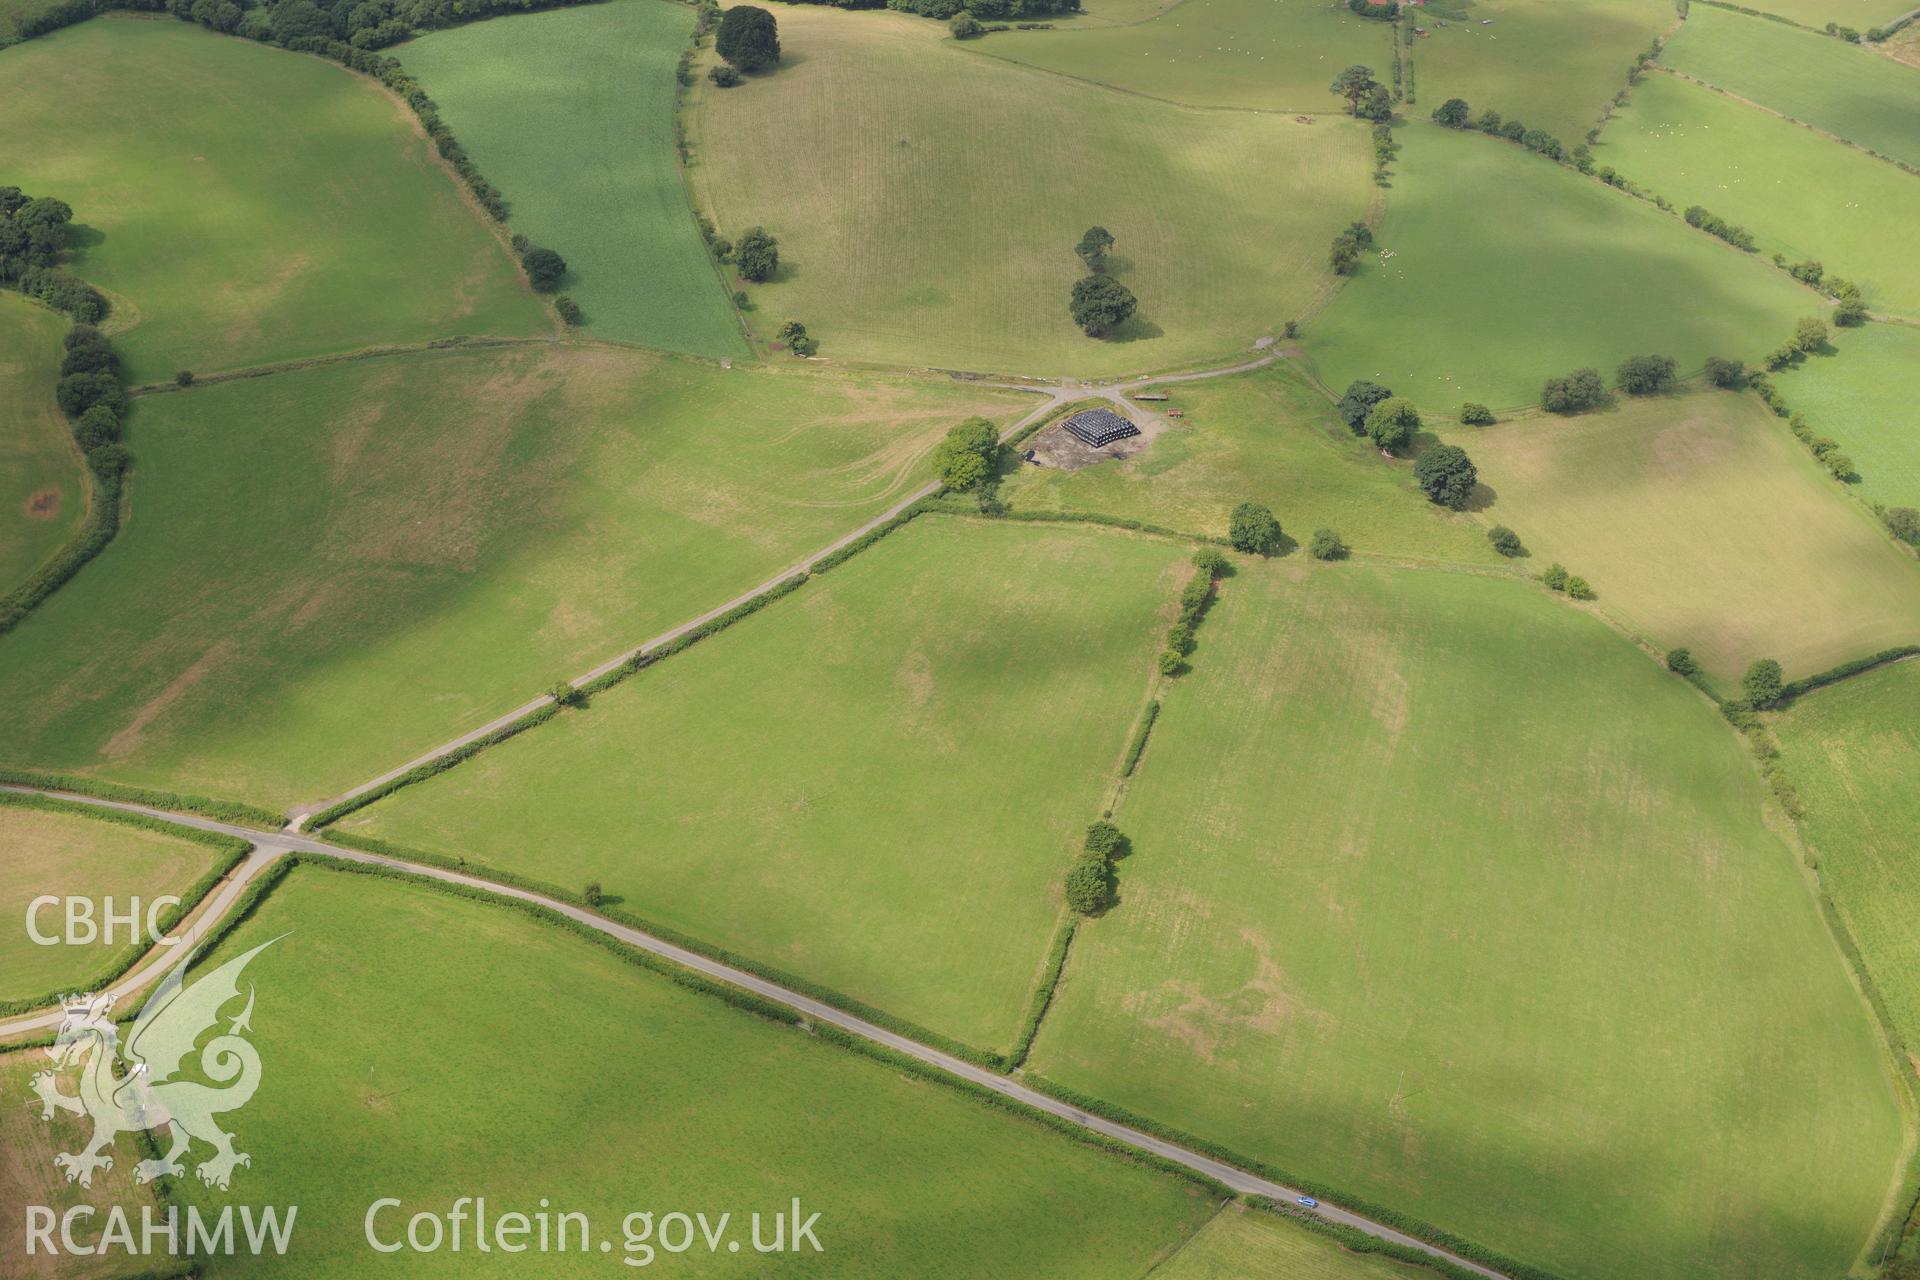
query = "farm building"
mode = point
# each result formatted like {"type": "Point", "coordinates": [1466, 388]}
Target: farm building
{"type": "Point", "coordinates": [1099, 427]}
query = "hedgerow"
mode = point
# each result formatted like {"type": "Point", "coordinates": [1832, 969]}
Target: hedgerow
{"type": "Point", "coordinates": [232, 852]}
{"type": "Point", "coordinates": [34, 237]}
{"type": "Point", "coordinates": [174, 801]}
{"type": "Point", "coordinates": [1139, 743]}
{"type": "Point", "coordinates": [1043, 994]}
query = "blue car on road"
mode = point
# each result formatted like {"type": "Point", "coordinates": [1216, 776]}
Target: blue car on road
{"type": "Point", "coordinates": [1306, 1202]}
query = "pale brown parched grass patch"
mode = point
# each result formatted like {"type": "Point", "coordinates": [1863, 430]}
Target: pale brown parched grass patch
{"type": "Point", "coordinates": [1701, 522]}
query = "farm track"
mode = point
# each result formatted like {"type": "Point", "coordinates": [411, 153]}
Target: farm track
{"type": "Point", "coordinates": [269, 847]}
{"type": "Point", "coordinates": [1055, 395]}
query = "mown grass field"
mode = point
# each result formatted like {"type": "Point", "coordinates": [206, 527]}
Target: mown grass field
{"type": "Point", "coordinates": [1553, 66]}
{"type": "Point", "coordinates": [1268, 437]}
{"type": "Point", "coordinates": [247, 205]}
{"type": "Point", "coordinates": [329, 571]}
{"type": "Point", "coordinates": [1702, 523]}
{"type": "Point", "coordinates": [66, 855]}
{"type": "Point", "coordinates": [1861, 15]}
{"type": "Point", "coordinates": [930, 217]}
{"type": "Point", "coordinates": [1797, 192]}
{"type": "Point", "coordinates": [570, 114]}
{"type": "Point", "coordinates": [423, 1047]}
{"type": "Point", "coordinates": [1240, 1243]}
{"type": "Point", "coordinates": [1508, 269]}
{"type": "Point", "coordinates": [1443, 894]}
{"type": "Point", "coordinates": [1869, 400]}
{"type": "Point", "coordinates": [1871, 101]}
{"type": "Point", "coordinates": [28, 1176]}
{"type": "Point", "coordinates": [1270, 55]}
{"type": "Point", "coordinates": [43, 486]}
{"type": "Point", "coordinates": [1853, 753]}
{"type": "Point", "coordinates": [911, 747]}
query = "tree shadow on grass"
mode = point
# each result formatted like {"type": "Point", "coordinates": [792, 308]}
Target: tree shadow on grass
{"type": "Point", "coordinates": [81, 237]}
{"type": "Point", "coordinates": [1482, 497]}
{"type": "Point", "coordinates": [1135, 328]}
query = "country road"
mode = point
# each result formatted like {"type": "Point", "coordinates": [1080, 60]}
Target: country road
{"type": "Point", "coordinates": [270, 845]}
{"type": "Point", "coordinates": [1054, 395]}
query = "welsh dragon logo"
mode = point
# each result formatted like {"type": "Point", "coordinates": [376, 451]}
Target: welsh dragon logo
{"type": "Point", "coordinates": [138, 1087]}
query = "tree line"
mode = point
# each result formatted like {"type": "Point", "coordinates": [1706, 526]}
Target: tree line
{"type": "Point", "coordinates": [35, 233]}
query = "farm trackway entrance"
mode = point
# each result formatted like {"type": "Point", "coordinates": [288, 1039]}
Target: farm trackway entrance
{"type": "Point", "coordinates": [271, 845]}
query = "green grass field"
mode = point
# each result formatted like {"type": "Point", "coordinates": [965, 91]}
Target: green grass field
{"type": "Point", "coordinates": [422, 1047]}
{"type": "Point", "coordinates": [1871, 101]}
{"type": "Point", "coordinates": [910, 748]}
{"type": "Point", "coordinates": [1241, 1244]}
{"type": "Point", "coordinates": [66, 855]}
{"type": "Point", "coordinates": [1702, 523]}
{"type": "Point", "coordinates": [1270, 55]}
{"type": "Point", "coordinates": [1508, 269]}
{"type": "Point", "coordinates": [570, 114]}
{"type": "Point", "coordinates": [43, 485]}
{"type": "Point", "coordinates": [1797, 192]}
{"type": "Point", "coordinates": [1861, 15]}
{"type": "Point", "coordinates": [247, 205]}
{"type": "Point", "coordinates": [1552, 65]}
{"type": "Point", "coordinates": [1268, 437]}
{"type": "Point", "coordinates": [931, 216]}
{"type": "Point", "coordinates": [1444, 894]}
{"type": "Point", "coordinates": [332, 570]}
{"type": "Point", "coordinates": [1853, 752]}
{"type": "Point", "coordinates": [1869, 400]}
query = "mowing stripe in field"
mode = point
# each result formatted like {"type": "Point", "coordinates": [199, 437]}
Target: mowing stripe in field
{"type": "Point", "coordinates": [1443, 893]}
{"type": "Point", "coordinates": [1851, 93]}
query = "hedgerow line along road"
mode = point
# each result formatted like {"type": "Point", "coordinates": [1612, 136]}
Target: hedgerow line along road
{"type": "Point", "coordinates": [1056, 394]}
{"type": "Point", "coordinates": [271, 846]}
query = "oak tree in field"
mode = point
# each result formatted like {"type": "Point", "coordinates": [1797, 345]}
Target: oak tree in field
{"type": "Point", "coordinates": [1352, 84]}
{"type": "Point", "coordinates": [1252, 529]}
{"type": "Point", "coordinates": [1810, 335]}
{"type": "Point", "coordinates": [1904, 523]}
{"type": "Point", "coordinates": [1576, 393]}
{"type": "Point", "coordinates": [1646, 375]}
{"type": "Point", "coordinates": [1391, 423]}
{"type": "Point", "coordinates": [1452, 113]}
{"type": "Point", "coordinates": [1446, 475]}
{"type": "Point", "coordinates": [1360, 396]}
{"type": "Point", "coordinates": [1093, 248]}
{"type": "Point", "coordinates": [969, 455]}
{"type": "Point", "coordinates": [749, 38]}
{"type": "Point", "coordinates": [544, 268]}
{"type": "Point", "coordinates": [1505, 541]}
{"type": "Point", "coordinates": [1326, 545]}
{"type": "Point", "coordinates": [1729, 375]}
{"type": "Point", "coordinates": [757, 255]}
{"type": "Point", "coordinates": [1089, 885]}
{"type": "Point", "coordinates": [1100, 304]}
{"type": "Point", "coordinates": [1474, 414]}
{"type": "Point", "coordinates": [1762, 683]}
